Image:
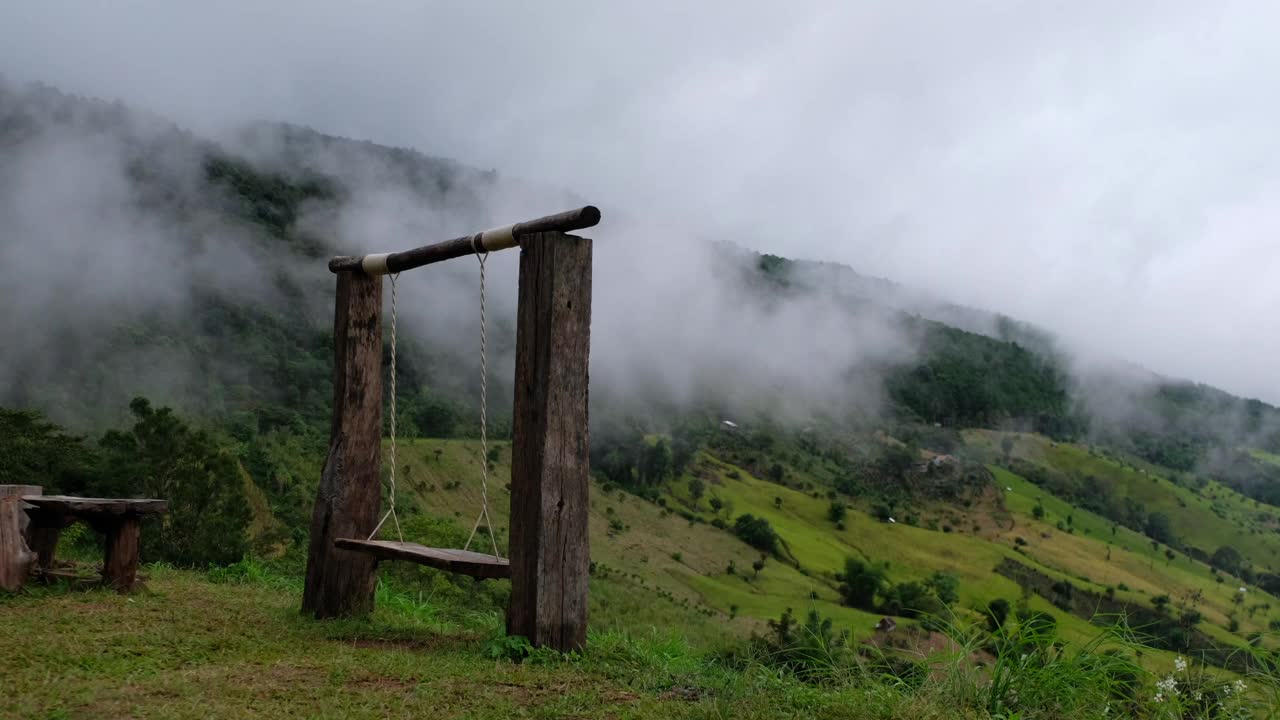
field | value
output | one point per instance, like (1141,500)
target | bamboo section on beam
(487,241)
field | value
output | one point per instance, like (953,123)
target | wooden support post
(340,583)
(120,560)
(44,540)
(16,556)
(550,466)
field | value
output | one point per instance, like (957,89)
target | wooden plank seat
(118,519)
(463,562)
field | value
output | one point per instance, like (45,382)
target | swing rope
(484,420)
(484,417)
(391,513)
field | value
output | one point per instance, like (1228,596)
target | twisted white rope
(484,414)
(391,513)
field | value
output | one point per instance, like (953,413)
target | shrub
(945,586)
(756,532)
(911,599)
(862,583)
(997,613)
(811,650)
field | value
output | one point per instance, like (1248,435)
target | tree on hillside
(896,460)
(655,464)
(862,583)
(1160,529)
(756,532)
(776,473)
(617,466)
(945,586)
(1227,559)
(1006,445)
(685,440)
(837,511)
(162,457)
(696,489)
(911,599)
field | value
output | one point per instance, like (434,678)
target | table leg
(120,564)
(45,529)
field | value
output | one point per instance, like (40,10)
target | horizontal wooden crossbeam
(487,241)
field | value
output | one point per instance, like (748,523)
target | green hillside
(671,546)
(1041,556)
(1201,518)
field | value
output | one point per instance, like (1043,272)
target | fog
(1103,171)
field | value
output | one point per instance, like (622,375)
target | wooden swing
(548,546)
(464,561)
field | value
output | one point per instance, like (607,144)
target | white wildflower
(1240,686)
(1197,696)
(1180,664)
(1167,686)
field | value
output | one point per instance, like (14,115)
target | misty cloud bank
(1103,171)
(114,231)
(95,250)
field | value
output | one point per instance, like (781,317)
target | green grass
(191,647)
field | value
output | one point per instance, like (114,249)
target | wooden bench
(118,519)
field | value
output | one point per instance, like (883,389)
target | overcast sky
(1110,171)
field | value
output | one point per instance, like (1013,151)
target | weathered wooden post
(550,468)
(340,583)
(16,556)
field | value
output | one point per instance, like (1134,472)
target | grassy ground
(192,647)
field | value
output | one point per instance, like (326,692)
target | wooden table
(118,519)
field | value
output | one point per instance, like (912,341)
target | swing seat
(463,562)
